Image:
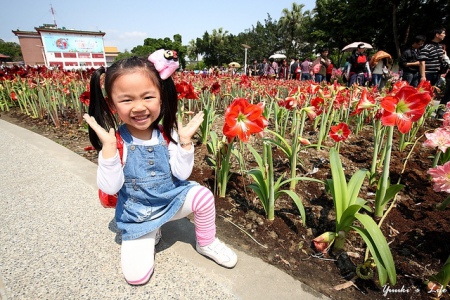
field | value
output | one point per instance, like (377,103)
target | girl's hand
(185,133)
(108,139)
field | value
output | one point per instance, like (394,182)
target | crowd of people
(421,61)
(428,61)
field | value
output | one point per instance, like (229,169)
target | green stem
(271,210)
(401,143)
(376,146)
(294,153)
(436,158)
(225,171)
(385,175)
(340,240)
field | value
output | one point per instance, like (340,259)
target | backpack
(110,201)
(361,59)
(316,68)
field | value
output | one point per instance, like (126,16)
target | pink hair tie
(165,61)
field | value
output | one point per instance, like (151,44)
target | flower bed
(279,222)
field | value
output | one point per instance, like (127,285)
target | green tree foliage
(388,25)
(292,25)
(11,49)
(151,45)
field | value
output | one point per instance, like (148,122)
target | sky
(128,23)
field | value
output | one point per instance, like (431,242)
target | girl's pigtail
(169,99)
(99,108)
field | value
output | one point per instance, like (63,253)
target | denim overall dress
(150,196)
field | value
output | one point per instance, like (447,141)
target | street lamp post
(245,59)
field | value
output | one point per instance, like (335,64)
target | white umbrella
(277,56)
(354,46)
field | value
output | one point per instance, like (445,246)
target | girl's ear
(111,105)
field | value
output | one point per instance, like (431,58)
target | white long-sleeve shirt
(110,177)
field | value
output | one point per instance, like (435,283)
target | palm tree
(290,27)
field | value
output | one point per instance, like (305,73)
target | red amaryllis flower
(13,96)
(339,132)
(313,87)
(289,103)
(404,108)
(243,119)
(425,87)
(399,85)
(318,104)
(341,101)
(85,98)
(365,102)
(186,90)
(245,81)
(215,88)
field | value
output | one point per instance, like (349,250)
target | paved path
(57,242)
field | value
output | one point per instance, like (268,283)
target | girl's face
(137,101)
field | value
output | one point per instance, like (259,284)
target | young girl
(151,183)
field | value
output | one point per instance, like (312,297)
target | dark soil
(417,233)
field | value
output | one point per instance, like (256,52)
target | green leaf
(261,182)
(443,277)
(391,192)
(339,184)
(379,248)
(354,185)
(257,156)
(348,217)
(261,195)
(298,202)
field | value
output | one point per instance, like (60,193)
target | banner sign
(62,42)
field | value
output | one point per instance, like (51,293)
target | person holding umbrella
(358,64)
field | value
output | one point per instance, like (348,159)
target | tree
(388,25)
(192,50)
(151,45)
(11,49)
(291,27)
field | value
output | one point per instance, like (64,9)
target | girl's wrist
(185,143)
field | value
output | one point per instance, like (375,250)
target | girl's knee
(137,270)
(203,200)
(138,258)
(138,278)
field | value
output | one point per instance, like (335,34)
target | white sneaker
(158,236)
(219,252)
